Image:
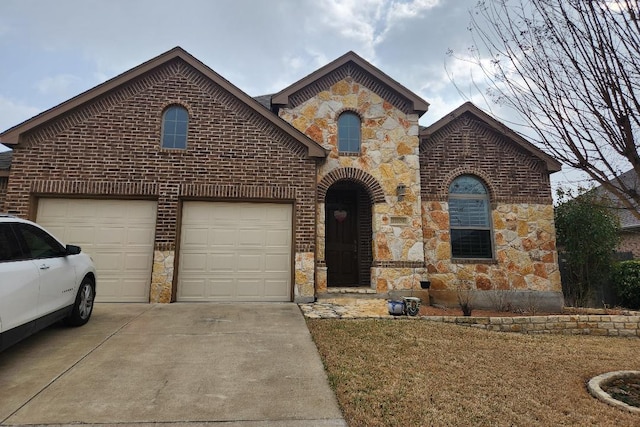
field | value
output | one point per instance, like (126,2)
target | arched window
(349,133)
(175,121)
(469,220)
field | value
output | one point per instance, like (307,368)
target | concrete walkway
(182,364)
(347,308)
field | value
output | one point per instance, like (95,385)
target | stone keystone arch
(355,175)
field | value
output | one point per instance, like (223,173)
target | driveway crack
(73,365)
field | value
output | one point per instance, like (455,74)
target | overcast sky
(54,50)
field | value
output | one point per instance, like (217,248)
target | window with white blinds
(469,220)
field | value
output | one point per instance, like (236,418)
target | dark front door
(341,248)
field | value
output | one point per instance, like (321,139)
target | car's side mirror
(73,250)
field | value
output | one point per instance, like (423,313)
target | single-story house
(184,188)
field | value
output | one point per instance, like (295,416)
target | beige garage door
(119,236)
(235,252)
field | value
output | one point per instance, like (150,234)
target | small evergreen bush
(626,276)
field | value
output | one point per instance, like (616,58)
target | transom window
(469,218)
(175,121)
(349,133)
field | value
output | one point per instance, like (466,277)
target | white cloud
(412,9)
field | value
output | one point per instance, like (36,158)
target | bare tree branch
(571,70)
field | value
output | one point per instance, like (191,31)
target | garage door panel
(273,288)
(281,238)
(251,237)
(193,289)
(240,237)
(220,288)
(251,214)
(85,209)
(195,215)
(137,262)
(141,212)
(277,262)
(194,262)
(109,236)
(139,236)
(108,288)
(107,261)
(196,237)
(131,290)
(249,288)
(118,234)
(250,263)
(221,262)
(222,237)
(80,235)
(279,213)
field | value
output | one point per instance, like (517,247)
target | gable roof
(552,164)
(419,105)
(12,135)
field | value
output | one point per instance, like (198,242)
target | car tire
(83,306)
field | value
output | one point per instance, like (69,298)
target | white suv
(42,281)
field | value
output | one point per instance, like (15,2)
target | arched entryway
(348,231)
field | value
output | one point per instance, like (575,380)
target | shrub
(587,233)
(626,276)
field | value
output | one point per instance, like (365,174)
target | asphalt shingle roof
(5,160)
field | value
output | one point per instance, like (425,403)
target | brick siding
(630,242)
(111,148)
(466,145)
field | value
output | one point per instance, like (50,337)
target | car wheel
(83,307)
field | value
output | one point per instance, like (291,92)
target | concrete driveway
(235,364)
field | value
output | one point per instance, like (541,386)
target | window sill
(474,261)
(172,150)
(348,154)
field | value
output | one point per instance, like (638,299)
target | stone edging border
(601,325)
(594,388)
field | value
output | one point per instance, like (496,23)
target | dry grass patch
(413,373)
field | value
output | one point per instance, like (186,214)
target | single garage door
(235,252)
(119,236)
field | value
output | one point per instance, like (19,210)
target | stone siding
(388,154)
(162,276)
(523,232)
(524,248)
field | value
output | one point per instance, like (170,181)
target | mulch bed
(626,390)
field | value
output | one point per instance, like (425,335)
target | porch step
(350,293)
(351,290)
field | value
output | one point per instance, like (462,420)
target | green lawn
(414,373)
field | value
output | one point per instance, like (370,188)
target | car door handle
(44,267)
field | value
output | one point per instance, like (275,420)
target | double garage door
(228,251)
